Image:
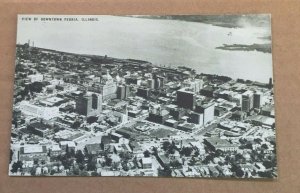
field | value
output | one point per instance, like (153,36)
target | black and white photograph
(144,96)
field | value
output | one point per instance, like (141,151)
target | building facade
(208,111)
(185,98)
(89,104)
(108,87)
(247,101)
(30,153)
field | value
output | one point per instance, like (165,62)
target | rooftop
(52,100)
(39,125)
(69,143)
(33,149)
(247,93)
(147,160)
(218,142)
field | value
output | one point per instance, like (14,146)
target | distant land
(229,21)
(266,38)
(265,48)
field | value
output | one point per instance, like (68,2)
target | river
(162,42)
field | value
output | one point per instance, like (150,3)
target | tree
(266,174)
(76,125)
(84,173)
(16,165)
(33,172)
(91,166)
(242,140)
(166,145)
(125,166)
(218,153)
(66,162)
(36,87)
(146,153)
(227,159)
(196,154)
(192,161)
(220,163)
(258,140)
(239,157)
(247,146)
(108,161)
(186,151)
(81,166)
(76,171)
(125,156)
(166,172)
(155,152)
(237,170)
(264,146)
(175,164)
(268,164)
(114,166)
(52,172)
(94,174)
(72,153)
(207,159)
(11,155)
(56,129)
(79,157)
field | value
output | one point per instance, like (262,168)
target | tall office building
(150,83)
(162,81)
(127,91)
(257,100)
(157,83)
(121,113)
(123,92)
(108,87)
(143,92)
(208,111)
(89,104)
(185,98)
(196,118)
(247,101)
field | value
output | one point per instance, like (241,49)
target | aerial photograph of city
(144,96)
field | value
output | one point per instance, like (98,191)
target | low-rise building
(93,148)
(67,146)
(55,151)
(163,160)
(40,129)
(147,163)
(221,144)
(188,127)
(33,152)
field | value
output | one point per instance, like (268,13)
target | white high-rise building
(108,87)
(46,113)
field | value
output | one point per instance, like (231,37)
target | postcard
(144,95)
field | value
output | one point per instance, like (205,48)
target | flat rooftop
(33,149)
